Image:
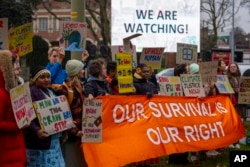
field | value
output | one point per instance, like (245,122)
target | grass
(221,160)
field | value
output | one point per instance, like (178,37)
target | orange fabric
(136,128)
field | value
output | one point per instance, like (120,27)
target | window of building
(43,24)
(55,24)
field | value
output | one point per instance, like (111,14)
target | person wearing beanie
(194,68)
(12,147)
(72,88)
(73,67)
(43,148)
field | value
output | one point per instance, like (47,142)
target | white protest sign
(162,23)
(22,104)
(54,114)
(92,121)
(170,86)
(192,85)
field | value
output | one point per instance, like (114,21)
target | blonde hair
(7,69)
(52,49)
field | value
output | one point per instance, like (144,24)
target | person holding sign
(72,152)
(42,149)
(142,84)
(56,56)
(144,87)
(12,146)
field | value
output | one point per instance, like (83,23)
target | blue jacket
(57,73)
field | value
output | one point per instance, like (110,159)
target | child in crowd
(56,56)
(144,87)
(42,149)
(141,81)
(96,84)
(112,78)
(12,146)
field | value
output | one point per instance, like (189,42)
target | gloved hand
(149,95)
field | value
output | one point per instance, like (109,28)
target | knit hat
(73,67)
(38,71)
(194,68)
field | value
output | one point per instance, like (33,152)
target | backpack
(70,94)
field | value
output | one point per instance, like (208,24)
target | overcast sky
(244,19)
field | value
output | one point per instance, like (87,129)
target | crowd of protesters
(32,146)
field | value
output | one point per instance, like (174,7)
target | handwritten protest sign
(124,72)
(244,93)
(92,121)
(22,104)
(54,114)
(186,53)
(119,49)
(192,85)
(170,86)
(133,126)
(208,70)
(3,33)
(73,35)
(20,39)
(152,57)
(223,85)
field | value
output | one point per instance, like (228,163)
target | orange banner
(136,128)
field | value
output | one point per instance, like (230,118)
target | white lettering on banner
(133,112)
(169,110)
(156,137)
(195,133)
(121,113)
(204,131)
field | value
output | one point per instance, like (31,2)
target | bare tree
(218,13)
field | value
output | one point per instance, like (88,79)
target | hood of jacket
(7,78)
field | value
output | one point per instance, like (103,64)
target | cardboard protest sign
(54,114)
(73,35)
(244,93)
(133,126)
(127,45)
(186,53)
(119,49)
(124,72)
(208,70)
(22,104)
(223,85)
(92,121)
(152,57)
(170,86)
(20,39)
(192,85)
(3,33)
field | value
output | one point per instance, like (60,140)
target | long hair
(238,73)
(7,69)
